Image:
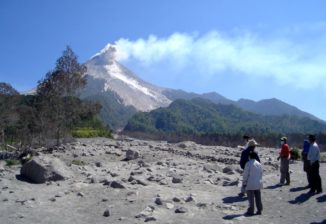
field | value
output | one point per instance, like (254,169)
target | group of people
(253,172)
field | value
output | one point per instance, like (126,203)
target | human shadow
(322,222)
(230,217)
(273,186)
(296,189)
(321,198)
(301,198)
(233,199)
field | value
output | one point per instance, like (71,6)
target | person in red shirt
(285,156)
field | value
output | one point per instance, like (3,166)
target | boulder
(43,168)
(131,154)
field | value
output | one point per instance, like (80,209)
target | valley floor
(168,183)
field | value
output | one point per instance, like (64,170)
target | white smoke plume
(301,64)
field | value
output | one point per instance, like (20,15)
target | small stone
(163,182)
(150,218)
(228,170)
(169,205)
(106,213)
(175,199)
(94,180)
(52,199)
(98,164)
(105,200)
(116,184)
(114,174)
(189,199)
(181,210)
(158,201)
(176,180)
(201,205)
(80,194)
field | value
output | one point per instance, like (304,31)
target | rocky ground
(167,183)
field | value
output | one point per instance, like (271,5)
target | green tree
(58,91)
(8,104)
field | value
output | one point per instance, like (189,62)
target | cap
(284,138)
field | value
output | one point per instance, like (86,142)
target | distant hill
(200,116)
(273,107)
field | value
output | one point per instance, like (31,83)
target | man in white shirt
(313,158)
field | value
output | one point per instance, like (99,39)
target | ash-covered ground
(168,183)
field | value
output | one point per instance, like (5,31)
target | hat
(252,142)
(284,138)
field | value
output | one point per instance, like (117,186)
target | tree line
(208,123)
(49,115)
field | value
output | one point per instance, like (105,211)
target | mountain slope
(122,93)
(116,78)
(118,89)
(273,107)
(198,116)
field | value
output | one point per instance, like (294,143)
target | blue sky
(241,49)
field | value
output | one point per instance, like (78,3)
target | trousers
(284,169)
(315,180)
(254,196)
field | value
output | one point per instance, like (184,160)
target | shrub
(90,133)
(12,162)
(295,154)
(78,162)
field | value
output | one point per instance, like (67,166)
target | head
(246,138)
(311,138)
(253,155)
(283,140)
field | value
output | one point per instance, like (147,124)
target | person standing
(304,156)
(313,158)
(285,156)
(251,145)
(253,182)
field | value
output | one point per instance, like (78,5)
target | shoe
(258,213)
(287,183)
(320,191)
(249,214)
(311,192)
(241,194)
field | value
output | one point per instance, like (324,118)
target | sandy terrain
(168,183)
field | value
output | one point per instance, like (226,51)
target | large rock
(43,168)
(131,154)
